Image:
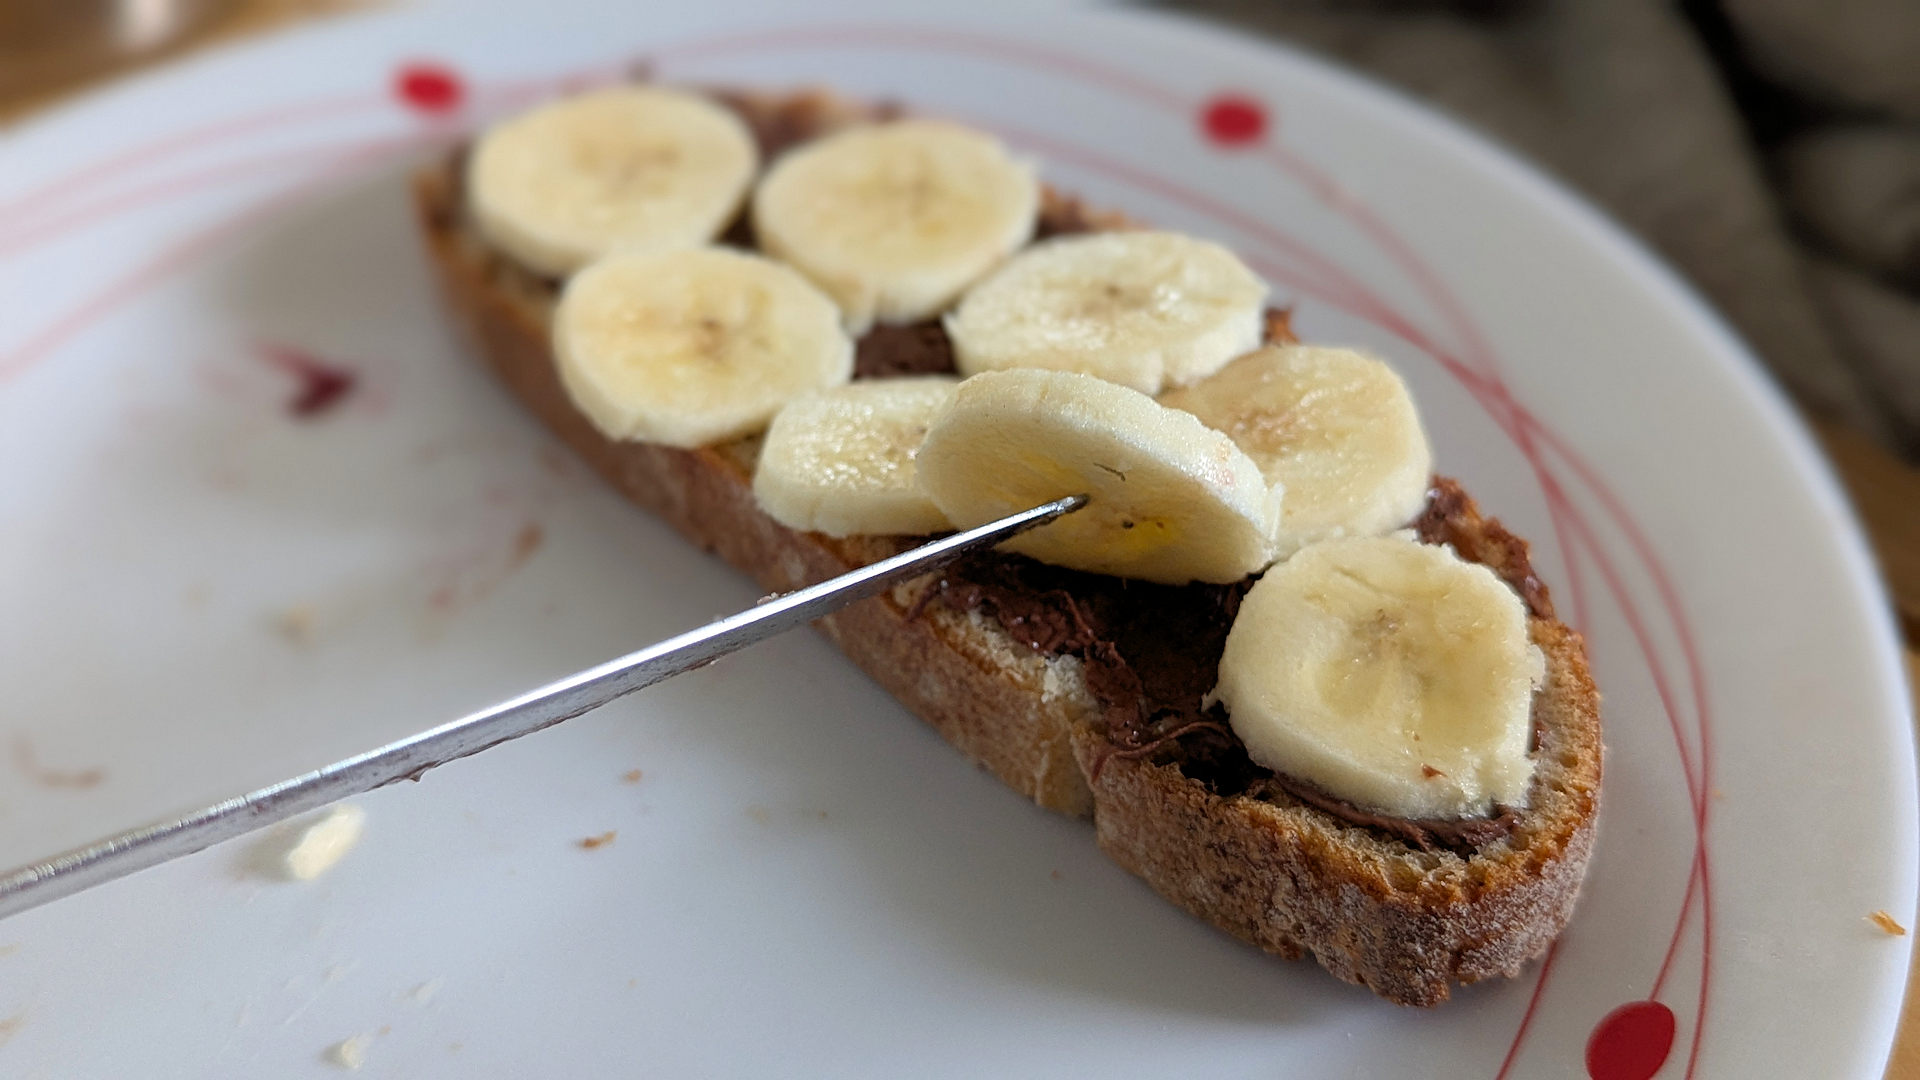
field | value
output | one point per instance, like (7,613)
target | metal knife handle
(137,849)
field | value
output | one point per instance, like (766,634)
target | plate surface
(205,590)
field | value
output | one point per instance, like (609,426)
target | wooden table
(1886,491)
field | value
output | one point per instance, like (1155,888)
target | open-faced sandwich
(1301,685)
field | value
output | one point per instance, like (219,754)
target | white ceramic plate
(202,592)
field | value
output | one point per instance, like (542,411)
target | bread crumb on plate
(322,842)
(296,624)
(1886,922)
(349,1053)
(605,838)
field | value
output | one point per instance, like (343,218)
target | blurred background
(1769,149)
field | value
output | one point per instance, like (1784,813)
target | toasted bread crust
(1373,911)
(1286,877)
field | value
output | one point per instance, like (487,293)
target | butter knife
(408,759)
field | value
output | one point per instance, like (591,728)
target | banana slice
(1335,428)
(1143,309)
(1389,673)
(1172,500)
(894,220)
(693,347)
(840,461)
(628,169)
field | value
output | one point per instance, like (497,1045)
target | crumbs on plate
(1886,922)
(349,1053)
(313,847)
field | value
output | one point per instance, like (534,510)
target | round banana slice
(1171,499)
(629,169)
(1335,428)
(1389,673)
(840,461)
(694,347)
(1143,309)
(895,219)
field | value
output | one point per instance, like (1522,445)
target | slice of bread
(1374,910)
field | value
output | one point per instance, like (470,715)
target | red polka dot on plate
(429,88)
(1232,120)
(1631,1042)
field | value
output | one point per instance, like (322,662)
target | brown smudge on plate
(28,762)
(525,543)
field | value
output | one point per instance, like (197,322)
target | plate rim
(1810,469)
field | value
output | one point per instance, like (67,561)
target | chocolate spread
(920,348)
(1065,215)
(1496,549)
(779,122)
(923,348)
